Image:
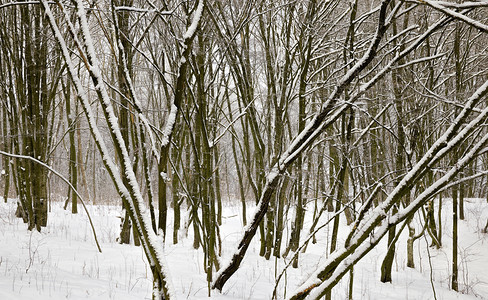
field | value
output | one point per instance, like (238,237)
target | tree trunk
(73,169)
(454,278)
(410,240)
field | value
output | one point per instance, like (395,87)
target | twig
(430,264)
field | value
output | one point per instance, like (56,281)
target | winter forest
(258,149)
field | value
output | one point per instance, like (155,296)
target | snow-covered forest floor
(62,261)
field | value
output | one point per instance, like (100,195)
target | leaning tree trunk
(131,194)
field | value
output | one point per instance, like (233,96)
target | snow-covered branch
(67,182)
(143,10)
(9,4)
(438,5)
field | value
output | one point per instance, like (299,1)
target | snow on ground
(62,261)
